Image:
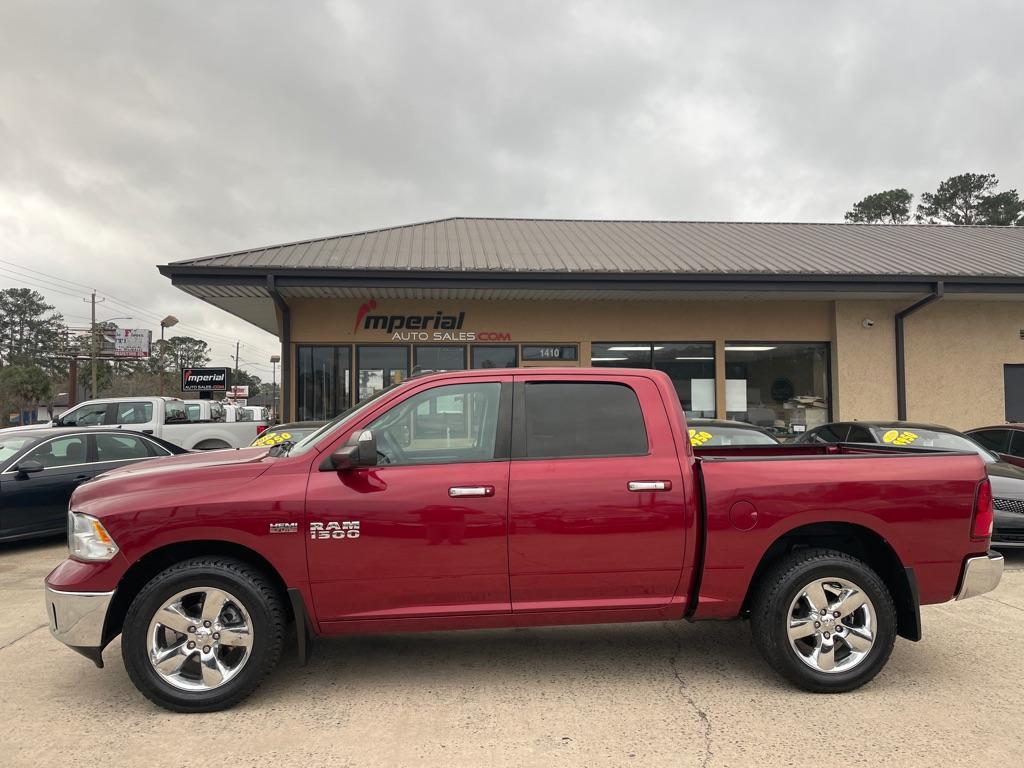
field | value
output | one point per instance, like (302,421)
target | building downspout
(901,361)
(286,348)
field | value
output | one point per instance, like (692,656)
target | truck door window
(574,419)
(134,413)
(174,412)
(92,415)
(444,425)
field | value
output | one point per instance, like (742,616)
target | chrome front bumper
(981,574)
(77,618)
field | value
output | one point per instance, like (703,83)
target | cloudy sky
(137,133)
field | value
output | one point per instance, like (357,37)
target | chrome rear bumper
(981,574)
(77,619)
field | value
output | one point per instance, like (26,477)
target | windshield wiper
(282,448)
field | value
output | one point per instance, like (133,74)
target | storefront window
(691,366)
(380,367)
(493,357)
(323,375)
(782,387)
(430,358)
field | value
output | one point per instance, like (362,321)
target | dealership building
(782,325)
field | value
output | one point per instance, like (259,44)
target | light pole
(167,322)
(274,360)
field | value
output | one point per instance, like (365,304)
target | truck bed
(918,501)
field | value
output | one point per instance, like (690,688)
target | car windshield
(310,440)
(929,438)
(10,445)
(707,436)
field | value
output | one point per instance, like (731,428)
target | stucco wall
(955,348)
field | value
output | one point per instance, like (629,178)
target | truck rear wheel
(202,634)
(824,620)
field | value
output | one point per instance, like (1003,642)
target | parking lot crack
(684,691)
(22,637)
(1008,605)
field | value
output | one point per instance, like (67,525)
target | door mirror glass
(359,451)
(28,466)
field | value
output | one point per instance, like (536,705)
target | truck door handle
(650,485)
(470,490)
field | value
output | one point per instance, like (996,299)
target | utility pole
(94,347)
(237,345)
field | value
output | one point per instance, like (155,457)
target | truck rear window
(579,419)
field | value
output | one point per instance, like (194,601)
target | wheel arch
(860,542)
(211,444)
(150,564)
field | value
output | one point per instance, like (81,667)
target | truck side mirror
(359,451)
(28,466)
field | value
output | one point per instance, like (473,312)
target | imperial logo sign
(200,379)
(439,326)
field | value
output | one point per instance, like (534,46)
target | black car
(40,468)
(1007,480)
(716,432)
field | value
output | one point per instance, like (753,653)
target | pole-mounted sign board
(132,342)
(199,379)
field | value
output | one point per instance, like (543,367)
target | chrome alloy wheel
(832,625)
(200,639)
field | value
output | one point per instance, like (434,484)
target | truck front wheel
(202,634)
(824,620)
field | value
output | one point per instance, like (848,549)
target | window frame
(519,441)
(417,347)
(147,446)
(343,403)
(357,367)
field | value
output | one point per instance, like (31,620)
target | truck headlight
(88,539)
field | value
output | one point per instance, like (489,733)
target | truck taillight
(984,512)
(260,429)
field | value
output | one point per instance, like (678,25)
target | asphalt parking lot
(649,694)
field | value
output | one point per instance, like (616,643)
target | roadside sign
(239,391)
(199,379)
(132,342)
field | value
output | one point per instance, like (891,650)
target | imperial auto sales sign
(132,342)
(204,379)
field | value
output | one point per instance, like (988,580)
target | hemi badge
(284,527)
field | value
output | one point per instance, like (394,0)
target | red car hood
(175,473)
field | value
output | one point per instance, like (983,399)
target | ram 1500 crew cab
(509,498)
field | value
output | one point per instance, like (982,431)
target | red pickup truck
(509,498)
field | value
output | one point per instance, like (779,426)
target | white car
(165,417)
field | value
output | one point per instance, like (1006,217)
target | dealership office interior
(786,326)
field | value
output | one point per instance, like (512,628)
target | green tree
(1003,209)
(31,332)
(970,198)
(23,386)
(889,207)
(181,352)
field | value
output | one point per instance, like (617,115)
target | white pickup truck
(165,417)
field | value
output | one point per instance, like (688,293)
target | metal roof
(500,246)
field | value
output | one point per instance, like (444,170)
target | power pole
(237,344)
(94,346)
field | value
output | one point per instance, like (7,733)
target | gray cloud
(137,133)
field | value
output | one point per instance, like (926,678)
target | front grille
(1010,505)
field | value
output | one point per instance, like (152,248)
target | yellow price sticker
(896,437)
(697,439)
(273,438)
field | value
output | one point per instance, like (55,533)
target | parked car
(164,417)
(558,496)
(1006,440)
(292,432)
(1007,479)
(705,433)
(40,468)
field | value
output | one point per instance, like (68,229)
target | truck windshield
(929,438)
(312,439)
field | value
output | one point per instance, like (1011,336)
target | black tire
(260,600)
(770,618)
